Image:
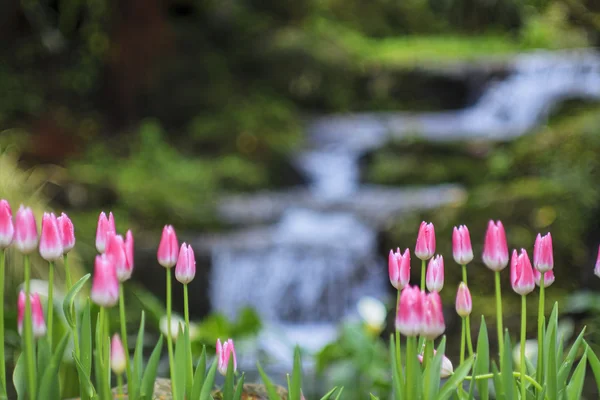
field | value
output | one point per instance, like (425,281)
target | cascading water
(319,257)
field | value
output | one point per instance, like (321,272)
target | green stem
(464,274)
(67,272)
(427,352)
(523,331)
(169,336)
(120,385)
(398,344)
(410,374)
(541,323)
(423,273)
(499,315)
(50,302)
(515,374)
(463,335)
(190,367)
(28,335)
(2,362)
(69,284)
(468,318)
(124,334)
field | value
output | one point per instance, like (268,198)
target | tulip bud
(67,232)
(425,247)
(543,259)
(433,316)
(50,241)
(399,268)
(176,323)
(129,249)
(106,228)
(224,353)
(548,277)
(464,304)
(168,248)
(117,355)
(446,368)
(37,314)
(115,250)
(410,318)
(597,267)
(461,245)
(435,274)
(105,285)
(185,270)
(495,250)
(521,273)
(26,234)
(7,228)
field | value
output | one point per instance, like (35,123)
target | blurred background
(293,143)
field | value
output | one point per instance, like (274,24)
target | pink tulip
(597,267)
(461,245)
(425,247)
(185,270)
(129,249)
(433,316)
(410,317)
(168,249)
(495,250)
(446,368)
(116,252)
(50,241)
(464,304)
(26,233)
(399,268)
(7,228)
(106,228)
(435,274)
(543,259)
(117,355)
(105,286)
(548,277)
(67,232)
(224,354)
(521,273)
(37,314)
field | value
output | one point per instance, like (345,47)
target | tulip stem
(2,363)
(468,318)
(190,366)
(499,315)
(464,274)
(124,334)
(120,384)
(541,324)
(67,272)
(427,352)
(170,337)
(523,331)
(50,301)
(515,374)
(410,362)
(69,283)
(462,340)
(28,334)
(398,344)
(423,273)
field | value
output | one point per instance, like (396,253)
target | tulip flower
(425,247)
(543,259)
(105,285)
(185,270)
(224,354)
(37,314)
(50,240)
(117,355)
(410,315)
(399,268)
(461,245)
(67,232)
(495,250)
(106,228)
(446,368)
(168,247)
(464,304)
(26,234)
(521,273)
(7,228)
(433,316)
(435,274)
(115,250)
(597,267)
(129,249)
(548,277)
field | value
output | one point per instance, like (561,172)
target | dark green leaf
(567,363)
(149,377)
(239,388)
(296,376)
(85,339)
(199,375)
(482,362)
(550,369)
(506,369)
(575,386)
(68,302)
(209,382)
(48,388)
(228,387)
(85,382)
(594,364)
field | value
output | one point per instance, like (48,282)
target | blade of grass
(328,394)
(271,392)
(296,376)
(239,388)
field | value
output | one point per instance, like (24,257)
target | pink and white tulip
(26,233)
(185,270)
(399,268)
(168,249)
(117,355)
(115,250)
(543,259)
(495,250)
(434,277)
(105,229)
(7,228)
(224,354)
(105,285)
(597,267)
(548,277)
(461,245)
(446,368)
(425,247)
(37,314)
(464,303)
(50,240)
(521,273)
(410,316)
(67,233)
(129,245)
(433,316)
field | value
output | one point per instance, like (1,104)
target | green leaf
(49,388)
(396,378)
(271,392)
(85,383)
(209,382)
(138,363)
(228,387)
(180,365)
(331,392)
(239,388)
(594,364)
(19,377)
(373,397)
(189,379)
(482,362)
(85,339)
(498,389)
(199,375)
(456,379)
(68,302)
(575,386)
(337,397)
(43,358)
(506,369)
(567,363)
(433,371)
(550,369)
(413,363)
(296,376)
(149,377)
